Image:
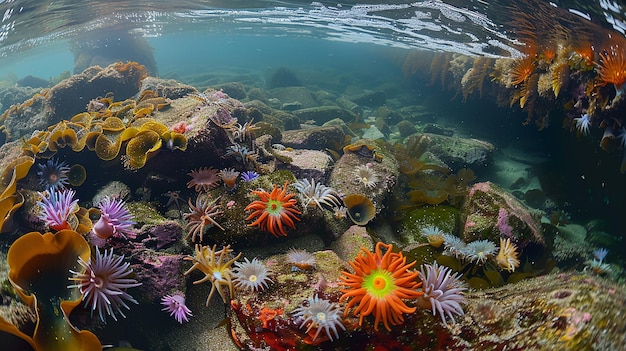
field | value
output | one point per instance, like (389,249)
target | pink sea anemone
(175,306)
(103,283)
(115,219)
(229,177)
(203,179)
(57,207)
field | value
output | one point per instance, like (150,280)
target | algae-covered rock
(489,212)
(445,218)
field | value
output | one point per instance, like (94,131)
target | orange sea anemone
(612,67)
(274,210)
(522,69)
(380,282)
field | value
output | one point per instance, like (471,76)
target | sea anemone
(115,219)
(175,306)
(522,69)
(201,216)
(479,250)
(442,291)
(249,176)
(313,194)
(229,177)
(53,174)
(434,235)
(252,275)
(216,266)
(507,255)
(274,211)
(612,67)
(321,314)
(365,175)
(378,285)
(57,207)
(453,245)
(203,179)
(104,283)
(582,124)
(301,259)
(600,254)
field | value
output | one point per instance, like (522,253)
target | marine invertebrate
(203,179)
(315,194)
(252,275)
(442,291)
(453,245)
(57,207)
(364,174)
(301,259)
(249,176)
(244,132)
(229,176)
(53,174)
(479,250)
(612,67)
(175,306)
(103,283)
(582,124)
(273,211)
(320,314)
(379,283)
(360,209)
(216,266)
(201,216)
(114,219)
(434,235)
(522,69)
(507,255)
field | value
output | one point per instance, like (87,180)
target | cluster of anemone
(202,216)
(114,219)
(104,282)
(203,179)
(274,211)
(175,306)
(313,194)
(251,275)
(56,208)
(379,284)
(443,291)
(53,174)
(479,251)
(217,268)
(320,314)
(365,175)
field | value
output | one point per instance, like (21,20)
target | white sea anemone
(252,275)
(321,314)
(479,250)
(365,175)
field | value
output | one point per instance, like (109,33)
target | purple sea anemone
(104,283)
(249,176)
(57,208)
(442,291)
(115,219)
(301,259)
(321,314)
(175,306)
(53,174)
(252,275)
